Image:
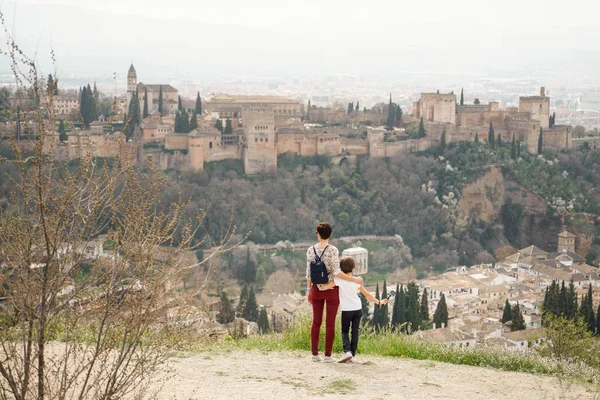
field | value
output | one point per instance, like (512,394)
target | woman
(330,256)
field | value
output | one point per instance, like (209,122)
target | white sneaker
(328,359)
(315,358)
(347,356)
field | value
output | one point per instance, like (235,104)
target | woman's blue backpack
(318,269)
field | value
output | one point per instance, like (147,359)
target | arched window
(210,145)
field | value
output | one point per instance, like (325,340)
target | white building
(361,259)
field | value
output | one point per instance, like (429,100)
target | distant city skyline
(188,41)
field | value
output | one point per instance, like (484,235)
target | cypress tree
(226,314)
(185,122)
(145,113)
(476,137)
(179,105)
(251,309)
(357,108)
(440,316)
(248,272)
(134,115)
(219,125)
(198,107)
(571,306)
(261,276)
(513,148)
(518,148)
(91,107)
(462,98)
(160,101)
(491,136)
(243,301)
(263,321)
(193,121)
(62,134)
(228,128)
(350,108)
(391,118)
(413,315)
(553,298)
(96,94)
(377,312)
(402,312)
(177,127)
(506,313)
(545,306)
(398,114)
(385,315)
(499,140)
(394,321)
(541,141)
(590,317)
(421,133)
(518,323)
(562,300)
(365,309)
(424,307)
(443,141)
(598,321)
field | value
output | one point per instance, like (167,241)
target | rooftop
(566,234)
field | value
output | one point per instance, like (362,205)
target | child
(351,307)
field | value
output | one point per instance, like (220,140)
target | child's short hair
(347,264)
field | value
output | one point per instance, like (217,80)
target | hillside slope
(256,375)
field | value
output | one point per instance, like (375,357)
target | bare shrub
(78,321)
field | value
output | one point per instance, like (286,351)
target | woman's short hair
(347,264)
(324,230)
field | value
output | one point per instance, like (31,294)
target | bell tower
(131,82)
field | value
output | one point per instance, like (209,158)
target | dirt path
(288,376)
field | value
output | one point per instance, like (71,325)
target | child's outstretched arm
(372,298)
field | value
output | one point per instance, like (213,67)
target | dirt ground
(255,375)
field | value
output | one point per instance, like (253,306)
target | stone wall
(557,137)
(354,146)
(176,142)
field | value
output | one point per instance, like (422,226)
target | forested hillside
(415,196)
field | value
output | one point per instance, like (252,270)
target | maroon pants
(319,299)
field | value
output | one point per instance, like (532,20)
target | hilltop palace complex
(265,126)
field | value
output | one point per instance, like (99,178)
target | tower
(538,107)
(131,82)
(260,152)
(566,241)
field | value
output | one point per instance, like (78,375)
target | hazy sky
(205,38)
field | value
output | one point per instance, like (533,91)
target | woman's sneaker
(328,359)
(315,358)
(346,357)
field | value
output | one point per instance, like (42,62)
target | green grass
(389,344)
